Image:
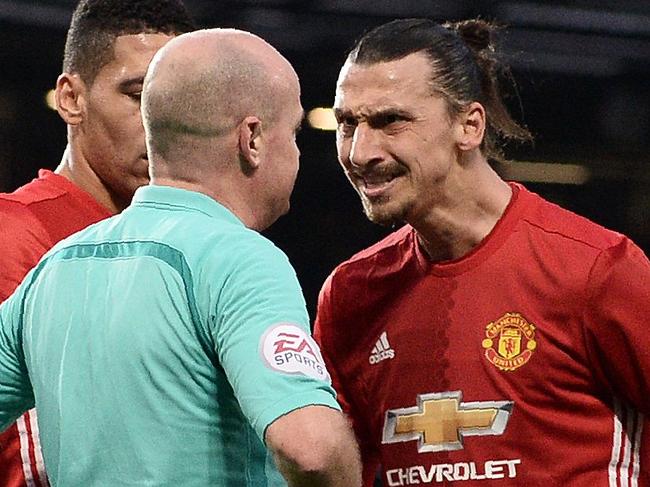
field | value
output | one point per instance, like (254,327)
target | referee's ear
(70,95)
(250,142)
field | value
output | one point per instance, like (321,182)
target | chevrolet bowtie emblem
(440,421)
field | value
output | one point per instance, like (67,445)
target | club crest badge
(510,341)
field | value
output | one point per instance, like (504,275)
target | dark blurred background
(582,70)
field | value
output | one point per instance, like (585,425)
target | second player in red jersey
(108,49)
(33,219)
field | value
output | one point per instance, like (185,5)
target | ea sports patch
(290,349)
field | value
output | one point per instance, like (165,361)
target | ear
(250,144)
(70,96)
(471,127)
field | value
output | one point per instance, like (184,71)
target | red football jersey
(524,363)
(33,219)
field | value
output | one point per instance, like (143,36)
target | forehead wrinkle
(410,75)
(370,109)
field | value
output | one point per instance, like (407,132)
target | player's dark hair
(97,23)
(464,67)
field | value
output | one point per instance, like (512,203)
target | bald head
(202,84)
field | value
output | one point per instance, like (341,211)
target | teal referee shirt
(159,344)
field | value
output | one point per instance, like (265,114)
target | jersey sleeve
(262,339)
(23,242)
(325,333)
(616,323)
(16,394)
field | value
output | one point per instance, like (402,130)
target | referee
(170,345)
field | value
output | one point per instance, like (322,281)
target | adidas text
(378,357)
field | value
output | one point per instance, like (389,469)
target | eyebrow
(376,114)
(130,82)
(392,111)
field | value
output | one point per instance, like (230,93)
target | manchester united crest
(510,341)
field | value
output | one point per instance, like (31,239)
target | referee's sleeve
(16,394)
(263,340)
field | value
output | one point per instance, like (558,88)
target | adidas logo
(381,350)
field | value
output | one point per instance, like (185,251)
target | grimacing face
(111,135)
(395,138)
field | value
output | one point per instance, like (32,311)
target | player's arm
(314,446)
(16,394)
(22,243)
(616,317)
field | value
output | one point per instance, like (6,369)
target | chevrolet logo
(440,421)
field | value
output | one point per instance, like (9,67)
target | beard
(385,212)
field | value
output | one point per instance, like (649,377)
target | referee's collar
(166,196)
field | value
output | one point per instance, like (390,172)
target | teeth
(377,183)
(378,180)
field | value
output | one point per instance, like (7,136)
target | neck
(466,213)
(79,172)
(221,189)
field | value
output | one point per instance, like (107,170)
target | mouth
(375,183)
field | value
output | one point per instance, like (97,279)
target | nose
(366,146)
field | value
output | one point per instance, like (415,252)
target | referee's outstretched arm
(314,446)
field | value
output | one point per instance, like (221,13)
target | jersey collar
(168,196)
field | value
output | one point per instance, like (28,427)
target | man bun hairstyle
(464,68)
(96,24)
